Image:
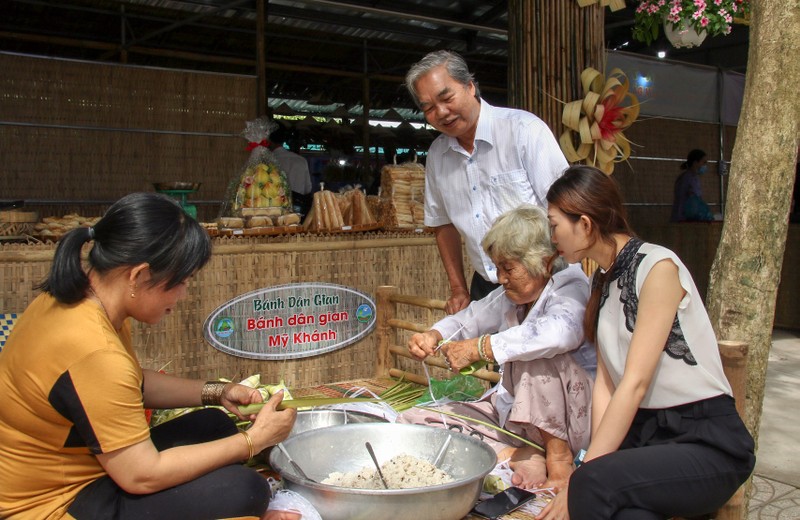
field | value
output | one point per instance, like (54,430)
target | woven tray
(16,224)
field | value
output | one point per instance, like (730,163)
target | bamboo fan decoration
(599,120)
(614,5)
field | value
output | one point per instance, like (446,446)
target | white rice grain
(400,472)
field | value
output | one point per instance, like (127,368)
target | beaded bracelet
(211,394)
(250,449)
(482,348)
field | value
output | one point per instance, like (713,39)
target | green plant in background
(714,17)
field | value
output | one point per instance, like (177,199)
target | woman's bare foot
(528,464)
(558,473)
(558,461)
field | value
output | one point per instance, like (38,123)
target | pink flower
(704,22)
(697,15)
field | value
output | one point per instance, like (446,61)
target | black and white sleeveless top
(690,368)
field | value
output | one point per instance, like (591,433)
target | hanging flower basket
(683,38)
(704,17)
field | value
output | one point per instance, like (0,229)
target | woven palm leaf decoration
(598,121)
(614,5)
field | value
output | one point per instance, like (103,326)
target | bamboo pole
(385,335)
(550,43)
(408,325)
(261,57)
(46,255)
(419,301)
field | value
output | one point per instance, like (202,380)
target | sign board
(290,321)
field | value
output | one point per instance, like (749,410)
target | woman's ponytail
(67,282)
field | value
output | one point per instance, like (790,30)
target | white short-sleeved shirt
(690,368)
(515,160)
(295,167)
(553,326)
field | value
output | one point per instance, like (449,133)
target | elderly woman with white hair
(532,327)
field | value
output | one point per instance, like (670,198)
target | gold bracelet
(250,449)
(211,394)
(482,348)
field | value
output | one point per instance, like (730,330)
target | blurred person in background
(688,204)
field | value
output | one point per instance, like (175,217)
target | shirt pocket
(509,189)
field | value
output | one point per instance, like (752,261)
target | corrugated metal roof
(314,48)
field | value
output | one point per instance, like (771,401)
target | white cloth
(516,158)
(691,369)
(553,326)
(296,169)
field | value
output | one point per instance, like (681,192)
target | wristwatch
(579,458)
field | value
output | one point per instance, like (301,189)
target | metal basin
(314,419)
(341,448)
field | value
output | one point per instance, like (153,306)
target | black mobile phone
(503,503)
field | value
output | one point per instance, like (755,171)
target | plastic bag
(259,194)
(458,388)
(287,500)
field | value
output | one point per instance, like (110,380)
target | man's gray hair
(456,67)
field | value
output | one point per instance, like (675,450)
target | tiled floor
(776,494)
(772,500)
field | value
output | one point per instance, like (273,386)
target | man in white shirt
(294,166)
(487,161)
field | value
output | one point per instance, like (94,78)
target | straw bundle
(354,208)
(325,214)
(403,186)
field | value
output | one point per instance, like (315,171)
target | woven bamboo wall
(88,131)
(696,245)
(647,185)
(362,261)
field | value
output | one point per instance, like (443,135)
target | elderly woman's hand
(461,354)
(423,344)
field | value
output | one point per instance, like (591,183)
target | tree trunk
(746,270)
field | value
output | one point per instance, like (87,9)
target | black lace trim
(624,271)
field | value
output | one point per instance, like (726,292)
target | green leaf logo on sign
(290,321)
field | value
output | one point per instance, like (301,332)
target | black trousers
(227,492)
(480,288)
(685,461)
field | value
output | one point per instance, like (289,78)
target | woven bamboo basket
(16,223)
